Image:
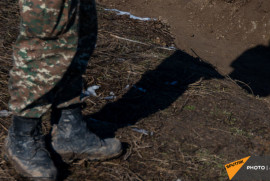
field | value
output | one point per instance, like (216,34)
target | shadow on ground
(156,91)
(159,88)
(252,69)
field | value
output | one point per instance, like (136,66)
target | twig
(196,83)
(124,168)
(127,155)
(196,133)
(142,43)
(134,41)
(4,127)
(245,84)
(183,105)
(216,129)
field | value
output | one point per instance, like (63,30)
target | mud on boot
(25,149)
(72,139)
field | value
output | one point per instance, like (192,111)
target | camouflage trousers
(50,55)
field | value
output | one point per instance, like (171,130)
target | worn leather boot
(25,149)
(72,139)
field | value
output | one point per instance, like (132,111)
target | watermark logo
(234,167)
(249,168)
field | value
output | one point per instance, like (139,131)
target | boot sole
(19,170)
(70,157)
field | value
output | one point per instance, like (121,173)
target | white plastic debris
(143,131)
(172,48)
(112,93)
(130,15)
(109,97)
(121,59)
(91,91)
(127,87)
(112,96)
(5,113)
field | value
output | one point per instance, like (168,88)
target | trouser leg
(50,55)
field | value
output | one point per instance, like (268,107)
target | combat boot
(25,149)
(73,140)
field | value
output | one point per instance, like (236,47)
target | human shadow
(252,70)
(159,88)
(155,91)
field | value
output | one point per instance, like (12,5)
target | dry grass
(194,127)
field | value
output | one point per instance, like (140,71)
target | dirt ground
(216,30)
(179,117)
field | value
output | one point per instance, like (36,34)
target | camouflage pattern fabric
(50,55)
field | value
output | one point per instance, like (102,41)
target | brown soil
(216,30)
(194,126)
